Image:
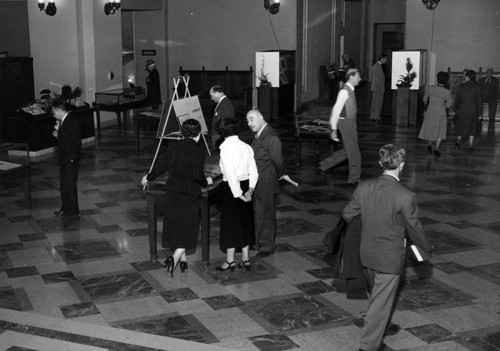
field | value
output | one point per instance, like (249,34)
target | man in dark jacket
(67,132)
(469,107)
(387,210)
(489,93)
(269,160)
(223,109)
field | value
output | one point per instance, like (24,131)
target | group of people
(251,174)
(250,188)
(468,107)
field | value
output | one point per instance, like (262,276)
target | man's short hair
(391,156)
(190,128)
(381,57)
(351,72)
(256,111)
(61,104)
(217,89)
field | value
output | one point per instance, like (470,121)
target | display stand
(179,110)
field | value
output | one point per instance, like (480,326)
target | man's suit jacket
(489,91)
(269,160)
(224,109)
(389,214)
(69,140)
(468,99)
(377,78)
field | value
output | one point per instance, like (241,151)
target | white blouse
(237,163)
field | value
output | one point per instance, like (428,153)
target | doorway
(388,37)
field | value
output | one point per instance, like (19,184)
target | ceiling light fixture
(272,8)
(111,7)
(51,7)
(430,4)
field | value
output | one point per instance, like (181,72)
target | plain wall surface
(220,33)
(465,33)
(14,28)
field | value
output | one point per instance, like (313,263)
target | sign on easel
(178,111)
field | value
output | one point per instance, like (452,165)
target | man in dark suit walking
(489,94)
(388,210)
(469,107)
(269,160)
(67,132)
(224,109)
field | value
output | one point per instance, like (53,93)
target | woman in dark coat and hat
(153,97)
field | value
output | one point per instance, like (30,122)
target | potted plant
(405,81)
(406,104)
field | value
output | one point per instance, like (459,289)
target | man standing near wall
(223,109)
(69,142)
(269,159)
(377,79)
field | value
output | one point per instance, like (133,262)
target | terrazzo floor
(87,283)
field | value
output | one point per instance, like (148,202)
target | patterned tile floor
(87,283)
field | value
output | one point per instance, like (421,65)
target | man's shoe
(392,329)
(457,145)
(58,213)
(264,254)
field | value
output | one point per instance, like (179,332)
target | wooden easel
(175,133)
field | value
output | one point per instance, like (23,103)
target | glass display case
(119,101)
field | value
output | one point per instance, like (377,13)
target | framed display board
(404,64)
(178,111)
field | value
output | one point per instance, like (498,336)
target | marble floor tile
(64,284)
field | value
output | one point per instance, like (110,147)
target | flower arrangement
(263,77)
(406,81)
(67,94)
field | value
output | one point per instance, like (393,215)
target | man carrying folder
(389,213)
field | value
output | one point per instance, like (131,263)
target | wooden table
(155,194)
(10,169)
(141,120)
(311,128)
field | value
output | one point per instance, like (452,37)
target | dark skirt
(467,124)
(237,228)
(181,221)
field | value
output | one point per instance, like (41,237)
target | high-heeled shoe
(183,265)
(429,150)
(170,265)
(230,265)
(245,264)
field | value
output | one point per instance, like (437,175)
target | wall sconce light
(274,8)
(430,4)
(111,7)
(131,82)
(51,7)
